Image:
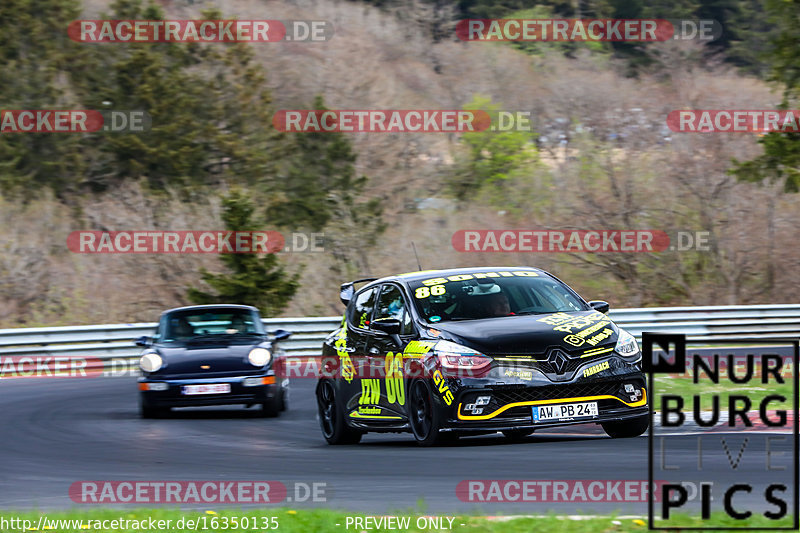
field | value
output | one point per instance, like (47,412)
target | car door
(384,354)
(353,350)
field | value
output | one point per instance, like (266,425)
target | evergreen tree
(780,162)
(320,182)
(781,158)
(254,280)
(35,51)
(209,106)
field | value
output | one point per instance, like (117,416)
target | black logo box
(664,342)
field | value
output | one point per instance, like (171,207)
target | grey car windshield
(189,324)
(492,294)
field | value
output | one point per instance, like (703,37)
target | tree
(209,106)
(35,52)
(750,32)
(779,164)
(784,57)
(254,280)
(502,167)
(321,190)
(320,164)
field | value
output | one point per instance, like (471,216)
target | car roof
(210,306)
(426,274)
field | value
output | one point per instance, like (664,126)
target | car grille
(555,363)
(570,366)
(550,392)
(548,367)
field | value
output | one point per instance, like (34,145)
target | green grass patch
(324,521)
(755,390)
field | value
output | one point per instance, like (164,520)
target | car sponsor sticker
(479,275)
(521,374)
(594,369)
(348,369)
(416,349)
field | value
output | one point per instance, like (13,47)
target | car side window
(392,305)
(361,310)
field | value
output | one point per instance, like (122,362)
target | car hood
(220,359)
(532,334)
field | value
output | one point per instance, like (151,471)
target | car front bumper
(511,407)
(243,390)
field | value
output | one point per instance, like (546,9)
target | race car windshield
(492,294)
(194,324)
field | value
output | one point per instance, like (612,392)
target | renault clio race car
(475,351)
(211,355)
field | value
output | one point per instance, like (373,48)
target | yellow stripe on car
(596,351)
(356,414)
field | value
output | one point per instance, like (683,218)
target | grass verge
(329,521)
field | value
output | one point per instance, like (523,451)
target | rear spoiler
(347,290)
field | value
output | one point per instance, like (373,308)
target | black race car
(479,350)
(211,355)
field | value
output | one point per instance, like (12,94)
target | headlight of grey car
(150,362)
(259,356)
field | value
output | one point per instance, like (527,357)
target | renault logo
(558,359)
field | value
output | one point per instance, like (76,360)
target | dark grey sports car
(211,355)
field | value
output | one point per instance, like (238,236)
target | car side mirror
(389,325)
(281,334)
(346,293)
(600,305)
(143,341)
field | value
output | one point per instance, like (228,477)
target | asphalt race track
(59,431)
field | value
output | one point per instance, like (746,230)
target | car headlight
(456,357)
(150,362)
(626,345)
(259,356)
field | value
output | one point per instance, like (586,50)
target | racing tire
(284,405)
(516,435)
(423,417)
(625,429)
(272,407)
(331,420)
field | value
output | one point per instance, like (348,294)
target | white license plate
(211,388)
(564,410)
